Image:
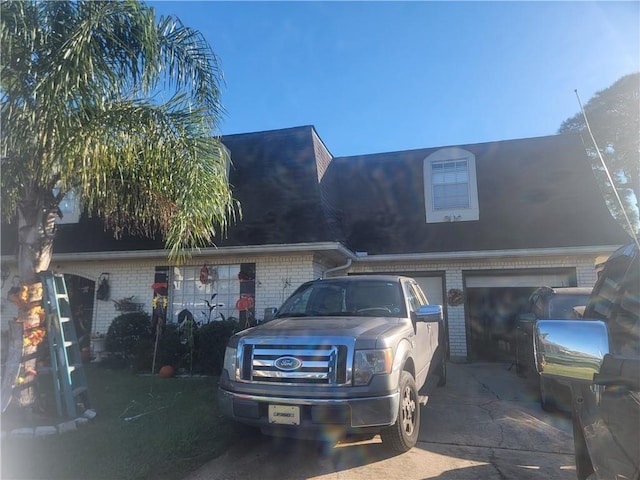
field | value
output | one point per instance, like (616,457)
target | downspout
(335,269)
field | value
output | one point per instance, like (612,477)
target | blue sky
(385,76)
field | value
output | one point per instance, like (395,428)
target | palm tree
(103,101)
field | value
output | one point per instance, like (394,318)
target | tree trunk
(36,230)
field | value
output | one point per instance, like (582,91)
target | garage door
(547,279)
(493,302)
(432,288)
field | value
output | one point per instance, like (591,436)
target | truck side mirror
(429,313)
(570,349)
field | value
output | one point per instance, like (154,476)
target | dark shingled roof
(274,176)
(532,193)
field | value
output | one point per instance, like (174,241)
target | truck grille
(294,364)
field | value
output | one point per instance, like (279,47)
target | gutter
(490,254)
(334,247)
(338,268)
(337,248)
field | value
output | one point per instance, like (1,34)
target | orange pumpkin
(167,371)
(85,354)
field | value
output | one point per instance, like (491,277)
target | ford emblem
(287,364)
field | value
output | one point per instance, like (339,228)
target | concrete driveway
(485,424)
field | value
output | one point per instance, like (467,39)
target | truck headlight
(368,363)
(230,362)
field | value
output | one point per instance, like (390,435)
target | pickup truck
(344,355)
(599,356)
(544,303)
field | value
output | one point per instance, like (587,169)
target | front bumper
(352,414)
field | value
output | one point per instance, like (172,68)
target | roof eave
(328,248)
(362,257)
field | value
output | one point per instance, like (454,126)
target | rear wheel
(403,435)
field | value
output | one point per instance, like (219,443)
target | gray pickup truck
(599,357)
(344,355)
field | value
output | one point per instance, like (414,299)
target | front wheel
(403,435)
(442,372)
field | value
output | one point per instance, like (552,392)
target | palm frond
(81,108)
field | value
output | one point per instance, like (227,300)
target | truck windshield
(328,298)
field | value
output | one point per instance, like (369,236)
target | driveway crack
(487,407)
(494,464)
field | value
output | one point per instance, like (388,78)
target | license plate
(284,414)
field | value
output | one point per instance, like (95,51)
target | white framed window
(189,292)
(451,192)
(450,184)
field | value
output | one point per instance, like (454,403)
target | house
(479,226)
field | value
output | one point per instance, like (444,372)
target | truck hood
(360,328)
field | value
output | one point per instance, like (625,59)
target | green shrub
(143,357)
(212,341)
(170,349)
(126,333)
(131,343)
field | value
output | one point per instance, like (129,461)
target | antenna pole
(604,165)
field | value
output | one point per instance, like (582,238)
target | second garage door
(493,302)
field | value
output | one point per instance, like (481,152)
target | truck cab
(600,358)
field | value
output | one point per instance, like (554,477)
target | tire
(403,435)
(442,372)
(547,398)
(443,350)
(584,468)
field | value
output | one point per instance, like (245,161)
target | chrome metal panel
(281,352)
(570,349)
(289,375)
(258,358)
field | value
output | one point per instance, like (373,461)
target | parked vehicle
(545,303)
(600,357)
(343,355)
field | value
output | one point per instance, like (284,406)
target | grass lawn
(146,427)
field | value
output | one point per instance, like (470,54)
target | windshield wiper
(290,315)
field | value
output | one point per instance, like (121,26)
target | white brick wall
(126,279)
(584,265)
(278,276)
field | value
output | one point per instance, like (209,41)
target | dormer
(450,186)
